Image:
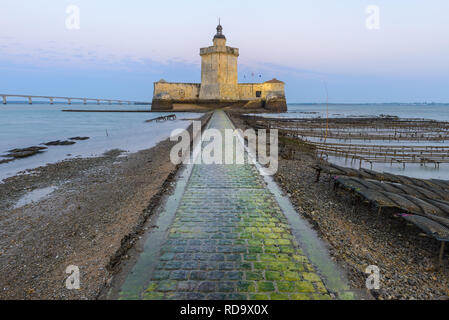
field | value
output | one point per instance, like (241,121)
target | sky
(360,50)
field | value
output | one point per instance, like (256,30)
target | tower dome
(219,34)
(219,39)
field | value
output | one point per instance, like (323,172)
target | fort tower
(219,70)
(219,85)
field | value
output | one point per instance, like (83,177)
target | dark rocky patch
(98,212)
(23,153)
(59,143)
(79,138)
(34,148)
(6,160)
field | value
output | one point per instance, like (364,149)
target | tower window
(258,94)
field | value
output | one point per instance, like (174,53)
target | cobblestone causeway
(230,240)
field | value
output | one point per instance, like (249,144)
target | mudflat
(96,211)
(357,238)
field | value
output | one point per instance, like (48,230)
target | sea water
(24,125)
(438,112)
(435,111)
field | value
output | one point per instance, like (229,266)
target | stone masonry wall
(178,91)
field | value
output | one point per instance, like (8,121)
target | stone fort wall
(177,91)
(192,91)
(253,91)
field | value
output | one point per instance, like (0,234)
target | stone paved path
(230,240)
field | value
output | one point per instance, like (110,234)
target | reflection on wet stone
(230,240)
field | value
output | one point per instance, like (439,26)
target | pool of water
(34,196)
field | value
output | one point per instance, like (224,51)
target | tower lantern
(219,38)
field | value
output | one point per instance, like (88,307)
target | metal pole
(440,260)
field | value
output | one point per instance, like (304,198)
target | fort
(219,85)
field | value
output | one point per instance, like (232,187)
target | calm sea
(23,125)
(423,111)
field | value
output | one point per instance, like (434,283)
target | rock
(6,160)
(34,148)
(254,104)
(276,103)
(162,101)
(79,138)
(23,153)
(59,143)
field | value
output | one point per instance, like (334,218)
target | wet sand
(96,212)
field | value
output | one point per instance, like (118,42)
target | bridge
(69,99)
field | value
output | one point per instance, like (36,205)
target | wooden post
(69,101)
(318,173)
(51,100)
(30,101)
(378,214)
(84,101)
(4,99)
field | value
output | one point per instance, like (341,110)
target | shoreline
(100,207)
(26,148)
(90,220)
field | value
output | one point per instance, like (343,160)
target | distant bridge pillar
(4,99)
(30,101)
(51,100)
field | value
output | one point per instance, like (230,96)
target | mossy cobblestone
(230,240)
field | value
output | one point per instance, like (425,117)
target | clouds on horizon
(130,47)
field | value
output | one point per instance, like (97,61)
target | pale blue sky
(122,47)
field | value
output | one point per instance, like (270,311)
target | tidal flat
(90,220)
(357,237)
